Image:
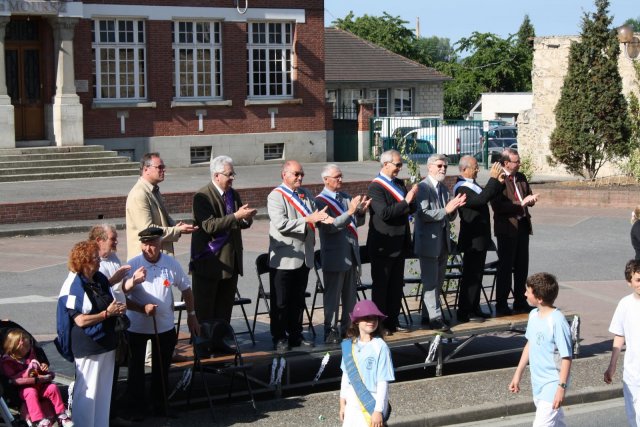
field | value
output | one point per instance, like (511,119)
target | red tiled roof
(349,58)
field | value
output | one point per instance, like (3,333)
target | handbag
(122,323)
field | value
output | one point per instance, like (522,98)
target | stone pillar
(7,115)
(67,110)
(365,112)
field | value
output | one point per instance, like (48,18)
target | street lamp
(630,41)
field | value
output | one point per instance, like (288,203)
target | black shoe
(166,413)
(474,318)
(402,329)
(439,326)
(522,309)
(503,311)
(424,321)
(300,342)
(281,345)
(480,313)
(462,317)
(332,337)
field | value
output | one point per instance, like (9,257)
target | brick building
(187,78)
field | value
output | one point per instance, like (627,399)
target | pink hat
(365,308)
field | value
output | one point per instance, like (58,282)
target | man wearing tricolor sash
(293,217)
(340,251)
(389,238)
(475,234)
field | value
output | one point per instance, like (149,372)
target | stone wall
(550,62)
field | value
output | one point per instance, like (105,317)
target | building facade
(188,78)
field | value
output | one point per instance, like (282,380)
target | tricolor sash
(462,182)
(294,200)
(338,210)
(396,192)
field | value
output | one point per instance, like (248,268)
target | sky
(455,19)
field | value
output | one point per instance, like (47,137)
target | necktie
(163,210)
(441,196)
(339,199)
(228,201)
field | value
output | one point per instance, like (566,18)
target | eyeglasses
(159,167)
(514,161)
(443,166)
(335,177)
(297,174)
(398,165)
(228,175)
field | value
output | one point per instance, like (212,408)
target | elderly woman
(86,320)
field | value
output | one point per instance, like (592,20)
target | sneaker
(45,422)
(64,420)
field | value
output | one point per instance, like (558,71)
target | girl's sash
(295,201)
(388,185)
(338,210)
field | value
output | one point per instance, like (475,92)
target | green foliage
(632,165)
(431,50)
(633,23)
(407,146)
(592,125)
(527,166)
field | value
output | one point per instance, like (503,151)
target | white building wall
(499,105)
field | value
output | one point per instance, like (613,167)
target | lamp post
(630,42)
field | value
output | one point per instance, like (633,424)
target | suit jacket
(389,233)
(507,209)
(209,214)
(432,224)
(338,246)
(143,210)
(291,240)
(475,222)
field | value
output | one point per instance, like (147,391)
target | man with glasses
(145,208)
(293,217)
(216,245)
(436,209)
(389,238)
(340,251)
(475,234)
(512,227)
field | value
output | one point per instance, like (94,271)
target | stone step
(29,163)
(56,156)
(51,149)
(70,175)
(38,172)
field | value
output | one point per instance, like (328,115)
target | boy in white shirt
(625,325)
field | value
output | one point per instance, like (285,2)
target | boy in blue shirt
(548,351)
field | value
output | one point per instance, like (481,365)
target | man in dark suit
(512,227)
(216,246)
(475,234)
(339,250)
(435,211)
(389,238)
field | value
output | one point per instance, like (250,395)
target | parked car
(502,136)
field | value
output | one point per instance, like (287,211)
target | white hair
(387,156)
(328,168)
(435,157)
(465,162)
(217,164)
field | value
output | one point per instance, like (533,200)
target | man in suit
(512,227)
(216,245)
(389,238)
(475,234)
(339,250)
(145,208)
(292,220)
(435,210)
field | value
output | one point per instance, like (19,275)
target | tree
(524,43)
(592,124)
(633,23)
(431,50)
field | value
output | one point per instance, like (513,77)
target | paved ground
(586,248)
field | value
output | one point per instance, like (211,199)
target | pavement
(450,399)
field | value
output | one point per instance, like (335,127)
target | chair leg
(253,400)
(246,320)
(311,328)
(405,309)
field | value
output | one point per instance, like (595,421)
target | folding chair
(240,301)
(217,339)
(319,288)
(262,267)
(362,288)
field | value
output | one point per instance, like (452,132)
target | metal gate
(345,136)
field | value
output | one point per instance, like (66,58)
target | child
(625,325)
(19,361)
(366,369)
(548,350)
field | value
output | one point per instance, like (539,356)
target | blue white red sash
(462,182)
(388,185)
(338,210)
(294,200)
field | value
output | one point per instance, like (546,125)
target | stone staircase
(45,163)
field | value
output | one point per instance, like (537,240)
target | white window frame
(405,94)
(213,78)
(263,41)
(105,39)
(375,94)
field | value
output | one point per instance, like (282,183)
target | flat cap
(149,234)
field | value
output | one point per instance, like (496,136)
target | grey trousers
(337,285)
(432,271)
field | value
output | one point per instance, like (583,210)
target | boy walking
(625,325)
(548,351)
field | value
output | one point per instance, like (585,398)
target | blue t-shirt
(549,342)
(374,362)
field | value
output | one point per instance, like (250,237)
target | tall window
(270,47)
(197,51)
(119,59)
(382,101)
(402,101)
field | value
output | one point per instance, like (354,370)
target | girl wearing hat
(367,369)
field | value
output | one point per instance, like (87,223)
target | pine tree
(592,124)
(524,44)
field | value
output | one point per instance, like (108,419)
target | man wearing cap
(145,208)
(150,309)
(340,251)
(292,220)
(216,245)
